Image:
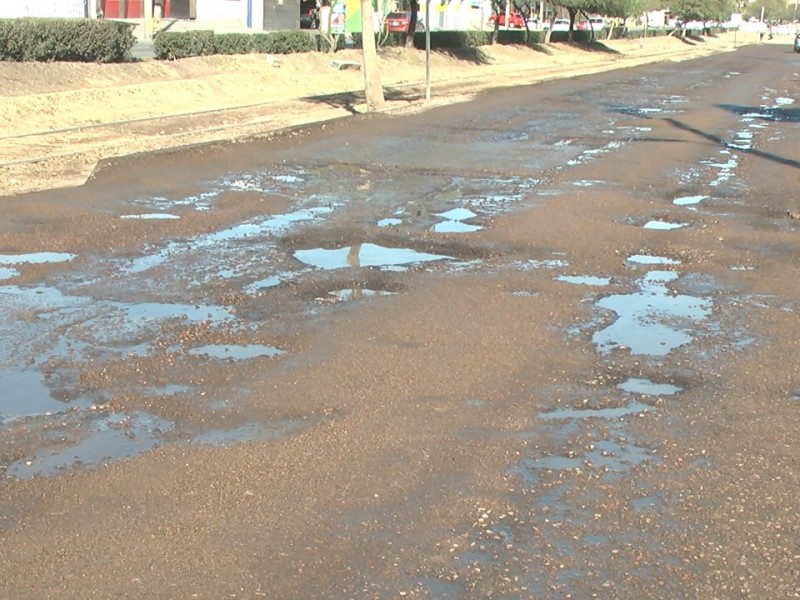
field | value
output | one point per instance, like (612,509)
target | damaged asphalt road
(536,345)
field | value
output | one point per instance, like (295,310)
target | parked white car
(561,25)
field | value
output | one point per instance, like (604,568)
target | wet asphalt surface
(537,345)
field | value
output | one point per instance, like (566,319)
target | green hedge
(75,40)
(172,45)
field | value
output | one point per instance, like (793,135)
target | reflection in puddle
(553,263)
(643,318)
(633,408)
(454,221)
(236,352)
(664,225)
(8,273)
(24,394)
(455,227)
(149,216)
(609,456)
(725,169)
(687,200)
(269,282)
(106,440)
(584,279)
(356,294)
(243,232)
(363,255)
(36,258)
(457,214)
(587,155)
(646,259)
(648,388)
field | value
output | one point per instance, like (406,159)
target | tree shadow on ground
(592,46)
(780,114)
(789,162)
(692,40)
(471,55)
(349,100)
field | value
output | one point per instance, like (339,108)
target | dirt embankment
(60,119)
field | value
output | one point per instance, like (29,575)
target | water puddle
(224,352)
(390,222)
(588,155)
(609,456)
(36,258)
(653,321)
(350,294)
(43,323)
(250,231)
(616,412)
(269,282)
(455,227)
(551,263)
(151,216)
(8,273)
(646,259)
(647,503)
(454,221)
(249,432)
(25,394)
(663,225)
(364,255)
(646,387)
(108,439)
(585,280)
(689,200)
(199,202)
(725,169)
(587,182)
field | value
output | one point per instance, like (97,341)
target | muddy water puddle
(93,438)
(364,255)
(92,444)
(660,225)
(652,321)
(229,352)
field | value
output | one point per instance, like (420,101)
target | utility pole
(427,49)
(148,19)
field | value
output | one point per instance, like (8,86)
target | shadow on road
(349,100)
(789,162)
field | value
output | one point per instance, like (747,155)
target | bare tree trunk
(412,24)
(372,74)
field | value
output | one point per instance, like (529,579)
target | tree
(622,9)
(773,10)
(372,74)
(412,23)
(701,10)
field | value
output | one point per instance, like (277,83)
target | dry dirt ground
(58,120)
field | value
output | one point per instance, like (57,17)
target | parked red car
(515,20)
(397,22)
